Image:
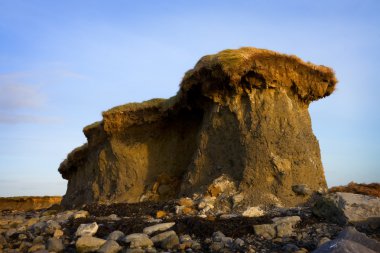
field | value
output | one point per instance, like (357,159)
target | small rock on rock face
(89,244)
(87,229)
(110,247)
(80,214)
(188,202)
(301,189)
(158,227)
(253,212)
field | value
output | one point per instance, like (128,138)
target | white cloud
(31,119)
(19,96)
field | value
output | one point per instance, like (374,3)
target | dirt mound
(28,203)
(241,114)
(365,189)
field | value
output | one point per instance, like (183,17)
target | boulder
(343,208)
(241,114)
(281,227)
(348,241)
(89,244)
(87,229)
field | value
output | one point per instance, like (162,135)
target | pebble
(110,246)
(115,235)
(239,242)
(80,214)
(162,236)
(51,227)
(55,244)
(36,247)
(38,239)
(134,236)
(185,238)
(158,227)
(141,242)
(58,233)
(216,246)
(218,236)
(170,242)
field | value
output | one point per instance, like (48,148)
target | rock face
(28,203)
(239,113)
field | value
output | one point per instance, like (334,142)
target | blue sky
(64,62)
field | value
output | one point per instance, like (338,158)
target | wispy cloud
(30,119)
(19,96)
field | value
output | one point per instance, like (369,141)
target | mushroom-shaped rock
(239,113)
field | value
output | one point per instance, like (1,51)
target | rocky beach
(334,222)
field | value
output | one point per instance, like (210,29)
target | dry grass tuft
(261,68)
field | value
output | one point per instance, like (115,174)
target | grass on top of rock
(372,189)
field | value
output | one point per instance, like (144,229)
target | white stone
(87,229)
(253,211)
(81,214)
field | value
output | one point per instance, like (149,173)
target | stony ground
(178,226)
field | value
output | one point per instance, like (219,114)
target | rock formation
(240,116)
(28,203)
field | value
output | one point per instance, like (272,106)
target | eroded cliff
(241,114)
